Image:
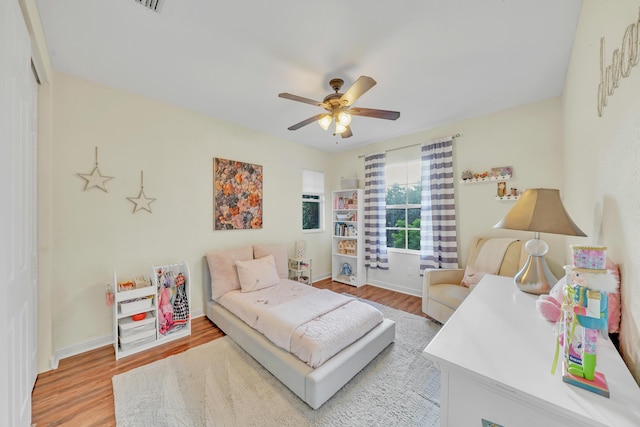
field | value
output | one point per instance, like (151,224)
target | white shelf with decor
(300,270)
(498,175)
(502,173)
(485,179)
(347,241)
(508,198)
(151,310)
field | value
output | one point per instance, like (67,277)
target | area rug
(218,384)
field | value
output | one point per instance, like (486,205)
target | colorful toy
(584,312)
(550,306)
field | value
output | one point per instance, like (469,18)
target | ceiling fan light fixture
(338,109)
(325,121)
(344,118)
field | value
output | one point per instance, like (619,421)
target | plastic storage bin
(135,306)
(134,340)
(128,327)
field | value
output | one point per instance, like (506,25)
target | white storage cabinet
(131,336)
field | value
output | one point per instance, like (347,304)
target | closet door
(18,218)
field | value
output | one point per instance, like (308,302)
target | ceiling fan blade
(357,89)
(305,122)
(376,114)
(347,133)
(302,99)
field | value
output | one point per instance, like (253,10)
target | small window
(403,194)
(312,200)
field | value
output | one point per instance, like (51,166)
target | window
(312,200)
(403,193)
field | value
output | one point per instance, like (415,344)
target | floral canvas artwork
(237,195)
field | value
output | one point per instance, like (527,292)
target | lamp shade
(540,210)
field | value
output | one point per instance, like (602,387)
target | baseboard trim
(396,288)
(319,278)
(79,348)
(92,344)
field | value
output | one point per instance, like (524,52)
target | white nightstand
(300,270)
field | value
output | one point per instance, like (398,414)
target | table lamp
(539,210)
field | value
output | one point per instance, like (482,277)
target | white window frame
(313,192)
(405,206)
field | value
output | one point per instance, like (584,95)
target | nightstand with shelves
(300,270)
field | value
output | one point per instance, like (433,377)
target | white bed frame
(313,386)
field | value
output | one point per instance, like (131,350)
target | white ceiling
(435,61)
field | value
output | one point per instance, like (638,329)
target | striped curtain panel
(438,247)
(375,232)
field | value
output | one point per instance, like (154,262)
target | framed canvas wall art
(237,195)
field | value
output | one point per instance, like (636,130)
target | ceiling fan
(339,106)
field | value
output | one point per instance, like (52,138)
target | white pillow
(258,273)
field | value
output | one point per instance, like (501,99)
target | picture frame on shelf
(501,171)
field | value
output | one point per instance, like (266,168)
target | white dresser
(495,355)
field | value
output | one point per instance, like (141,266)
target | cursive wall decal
(622,61)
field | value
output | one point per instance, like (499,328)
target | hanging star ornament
(142,202)
(95,178)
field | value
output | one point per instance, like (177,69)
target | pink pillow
(471,277)
(223,270)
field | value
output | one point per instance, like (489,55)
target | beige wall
(602,155)
(528,138)
(86,235)
(95,233)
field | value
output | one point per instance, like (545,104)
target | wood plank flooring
(79,392)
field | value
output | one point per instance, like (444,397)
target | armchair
(442,289)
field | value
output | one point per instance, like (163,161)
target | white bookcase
(133,336)
(347,241)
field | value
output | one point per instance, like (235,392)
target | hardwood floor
(79,392)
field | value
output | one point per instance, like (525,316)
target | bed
(317,376)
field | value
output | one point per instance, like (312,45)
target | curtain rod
(405,146)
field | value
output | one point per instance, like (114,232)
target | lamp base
(535,277)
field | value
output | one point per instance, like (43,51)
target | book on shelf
(345,230)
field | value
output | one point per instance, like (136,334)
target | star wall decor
(95,178)
(142,202)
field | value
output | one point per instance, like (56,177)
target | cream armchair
(442,291)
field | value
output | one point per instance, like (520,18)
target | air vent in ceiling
(154,5)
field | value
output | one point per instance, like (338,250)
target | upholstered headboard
(221,274)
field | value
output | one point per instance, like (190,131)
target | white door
(18,219)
